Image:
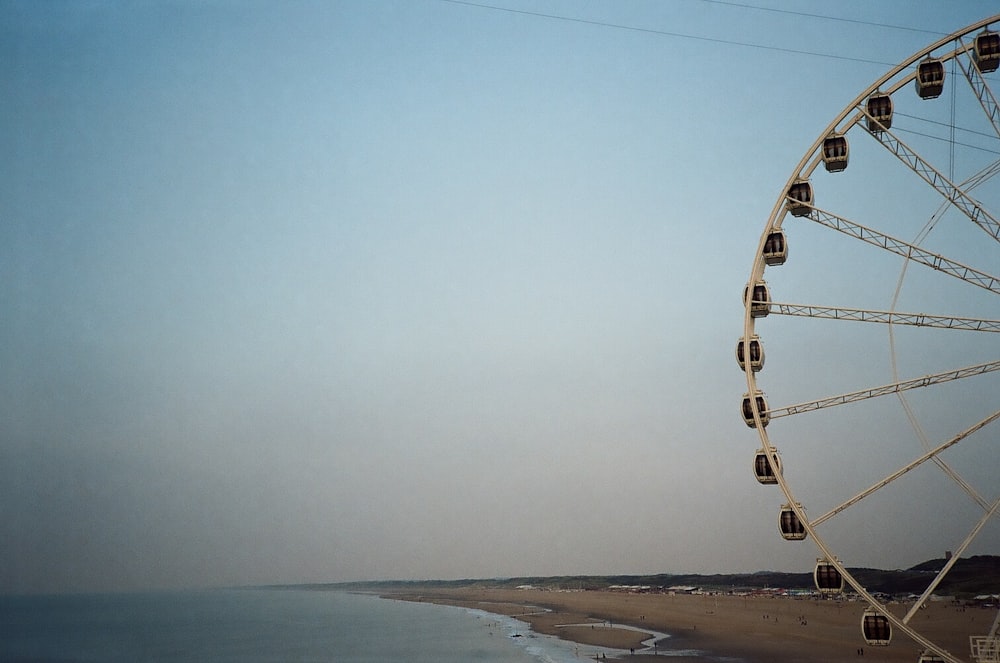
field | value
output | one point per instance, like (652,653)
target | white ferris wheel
(880,312)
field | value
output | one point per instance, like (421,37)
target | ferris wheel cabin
(835,153)
(827,578)
(879,107)
(761,402)
(760,304)
(762,468)
(875,628)
(775,248)
(930,78)
(799,200)
(986,51)
(789,525)
(756,354)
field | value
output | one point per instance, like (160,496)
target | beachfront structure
(909,182)
(986,648)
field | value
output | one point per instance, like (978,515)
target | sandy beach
(749,628)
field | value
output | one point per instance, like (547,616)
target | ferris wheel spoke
(951,562)
(884,317)
(985,175)
(892,388)
(980,88)
(955,195)
(940,462)
(905,249)
(930,455)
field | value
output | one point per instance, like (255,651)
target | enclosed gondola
(763,469)
(986,51)
(879,108)
(747,409)
(929,80)
(929,657)
(835,153)
(760,302)
(827,578)
(789,525)
(756,354)
(876,628)
(799,200)
(775,248)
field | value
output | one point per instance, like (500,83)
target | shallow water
(266,625)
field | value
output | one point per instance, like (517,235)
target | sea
(257,625)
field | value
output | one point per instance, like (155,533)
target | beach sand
(752,629)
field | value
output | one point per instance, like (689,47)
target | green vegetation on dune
(969,577)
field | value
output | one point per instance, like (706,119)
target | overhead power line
(825,18)
(664,33)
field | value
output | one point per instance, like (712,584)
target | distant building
(635,589)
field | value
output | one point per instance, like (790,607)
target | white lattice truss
(985,649)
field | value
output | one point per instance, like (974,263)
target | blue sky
(312,291)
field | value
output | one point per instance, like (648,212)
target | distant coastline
(969,577)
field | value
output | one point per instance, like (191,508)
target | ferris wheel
(880,313)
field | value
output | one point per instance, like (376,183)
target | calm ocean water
(264,625)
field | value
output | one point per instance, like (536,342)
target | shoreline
(748,629)
(566,625)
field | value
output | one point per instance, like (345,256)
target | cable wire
(826,18)
(663,33)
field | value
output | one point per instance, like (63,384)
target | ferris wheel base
(985,649)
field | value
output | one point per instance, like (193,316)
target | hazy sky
(329,291)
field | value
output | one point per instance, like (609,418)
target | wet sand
(750,629)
